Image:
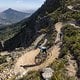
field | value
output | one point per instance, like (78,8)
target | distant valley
(11,16)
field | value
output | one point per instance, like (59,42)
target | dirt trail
(58,27)
(26,59)
(29,58)
(74,24)
(72,8)
(38,40)
(55,52)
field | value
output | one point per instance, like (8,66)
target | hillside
(10,16)
(25,37)
(40,20)
(56,25)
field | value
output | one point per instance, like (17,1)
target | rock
(47,73)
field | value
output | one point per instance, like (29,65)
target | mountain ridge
(11,16)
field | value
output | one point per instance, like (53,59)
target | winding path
(72,8)
(72,23)
(29,58)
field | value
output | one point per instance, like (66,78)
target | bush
(71,42)
(31,76)
(2,59)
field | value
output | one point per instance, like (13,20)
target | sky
(20,4)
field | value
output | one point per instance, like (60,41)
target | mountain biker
(43,49)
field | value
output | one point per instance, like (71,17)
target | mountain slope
(51,12)
(59,23)
(25,37)
(10,16)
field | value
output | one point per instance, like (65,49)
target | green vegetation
(32,76)
(71,15)
(4,63)
(2,59)
(71,40)
(12,78)
(59,70)
(51,35)
(73,2)
(71,43)
(66,15)
(9,31)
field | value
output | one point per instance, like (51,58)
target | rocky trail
(29,57)
(72,23)
(16,64)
